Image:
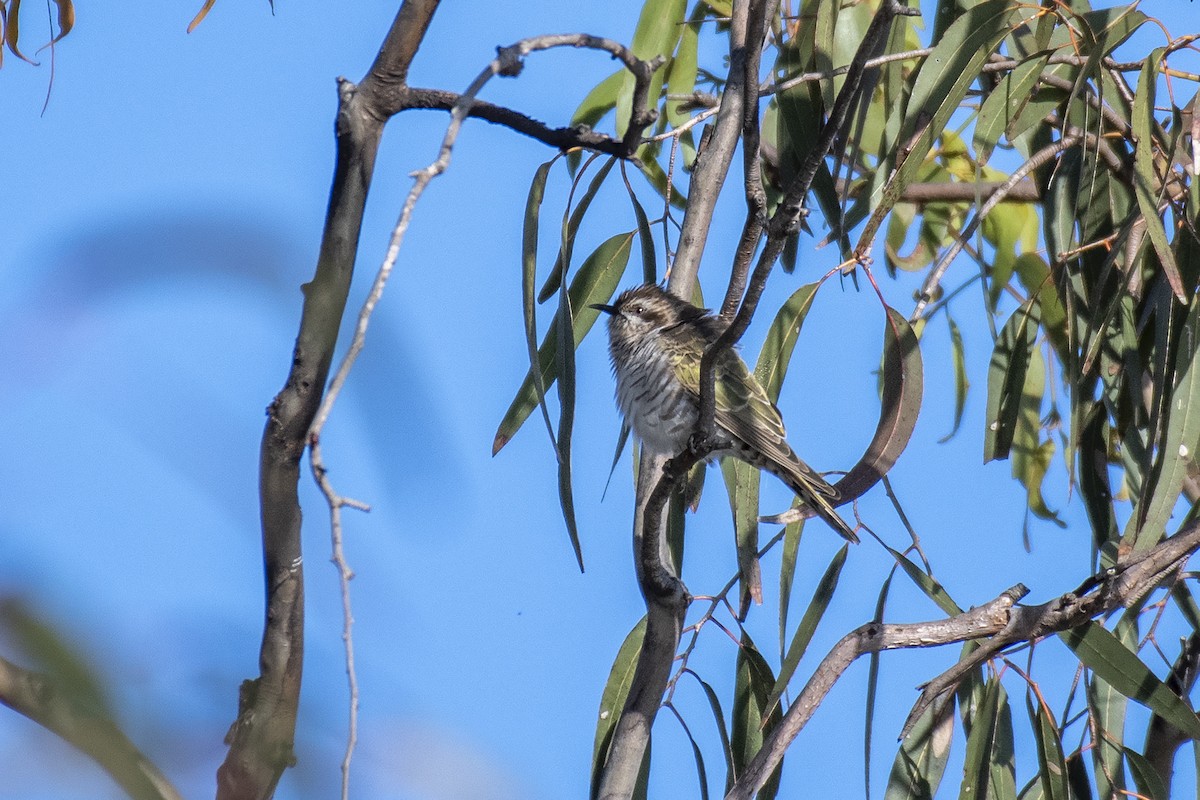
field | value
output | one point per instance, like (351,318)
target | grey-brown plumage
(656,341)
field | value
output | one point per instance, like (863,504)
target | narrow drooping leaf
(776,354)
(1146,184)
(529,245)
(752,720)
(787,573)
(571,229)
(659,27)
(919,766)
(1146,777)
(958,358)
(1003,110)
(1031,455)
(565,366)
(742,483)
(1052,766)
(714,703)
(901,379)
(927,584)
(1104,654)
(822,596)
(1006,380)
(612,700)
(697,755)
(645,236)
(595,282)
(989,768)
(622,439)
(1182,440)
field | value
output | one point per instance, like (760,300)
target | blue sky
(159,220)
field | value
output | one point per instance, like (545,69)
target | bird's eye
(637,309)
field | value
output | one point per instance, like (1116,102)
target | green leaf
(612,701)
(742,483)
(942,83)
(1031,456)
(1034,274)
(1149,782)
(698,756)
(1052,766)
(714,703)
(595,282)
(1147,187)
(1005,109)
(1006,380)
(822,596)
(919,766)
(776,354)
(599,101)
(529,245)
(901,380)
(658,30)
(681,80)
(787,573)
(961,384)
(570,229)
(927,584)
(753,721)
(1104,654)
(565,365)
(645,237)
(989,766)
(1182,437)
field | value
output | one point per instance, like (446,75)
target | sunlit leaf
(658,30)
(919,766)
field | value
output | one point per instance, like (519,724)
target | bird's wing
(743,409)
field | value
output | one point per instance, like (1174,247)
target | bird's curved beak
(607,309)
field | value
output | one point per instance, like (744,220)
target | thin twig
(508,62)
(939,269)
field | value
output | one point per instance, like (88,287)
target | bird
(656,341)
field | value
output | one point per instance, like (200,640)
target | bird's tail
(817,494)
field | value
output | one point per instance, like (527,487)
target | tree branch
(260,740)
(1002,619)
(665,596)
(92,731)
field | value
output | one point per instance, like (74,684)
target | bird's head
(644,310)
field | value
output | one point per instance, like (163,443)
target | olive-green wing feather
(744,410)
